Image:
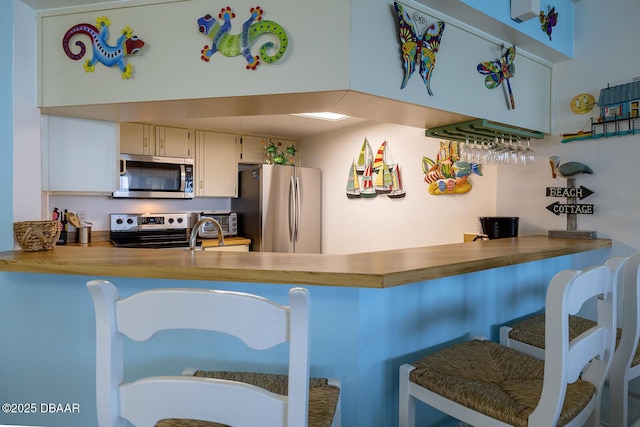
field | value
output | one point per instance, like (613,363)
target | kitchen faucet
(196,227)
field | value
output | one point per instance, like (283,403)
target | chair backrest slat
(147,400)
(257,321)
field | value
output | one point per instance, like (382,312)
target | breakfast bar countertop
(380,269)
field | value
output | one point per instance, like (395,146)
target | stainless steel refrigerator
(279,208)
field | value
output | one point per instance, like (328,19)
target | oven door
(152,239)
(155,177)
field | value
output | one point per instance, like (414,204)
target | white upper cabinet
(137,138)
(174,142)
(251,149)
(216,165)
(79,155)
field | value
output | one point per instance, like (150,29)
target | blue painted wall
(6,126)
(362,336)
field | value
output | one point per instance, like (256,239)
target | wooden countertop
(370,270)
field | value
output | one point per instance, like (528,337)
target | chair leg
(504,335)
(406,403)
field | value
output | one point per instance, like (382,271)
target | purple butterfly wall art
(548,21)
(418,49)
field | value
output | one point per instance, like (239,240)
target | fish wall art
(127,44)
(240,44)
(447,174)
(418,47)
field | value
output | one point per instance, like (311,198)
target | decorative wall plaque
(572,193)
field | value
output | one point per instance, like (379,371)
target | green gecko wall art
(240,44)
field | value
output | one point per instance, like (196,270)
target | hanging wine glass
(487,153)
(502,152)
(464,156)
(477,152)
(494,151)
(522,157)
(513,153)
(529,154)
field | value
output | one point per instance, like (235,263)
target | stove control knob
(119,221)
(170,220)
(179,220)
(129,221)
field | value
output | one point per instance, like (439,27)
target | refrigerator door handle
(292,209)
(297,219)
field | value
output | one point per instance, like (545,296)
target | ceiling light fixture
(332,117)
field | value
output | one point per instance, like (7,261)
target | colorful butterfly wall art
(549,20)
(499,71)
(418,48)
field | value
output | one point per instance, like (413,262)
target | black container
(499,227)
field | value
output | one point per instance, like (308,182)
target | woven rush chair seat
(531,331)
(323,397)
(498,390)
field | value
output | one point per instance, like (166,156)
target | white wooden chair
(483,383)
(258,322)
(528,336)
(626,360)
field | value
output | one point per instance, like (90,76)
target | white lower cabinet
(216,165)
(79,155)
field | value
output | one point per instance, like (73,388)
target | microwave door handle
(183,177)
(123,166)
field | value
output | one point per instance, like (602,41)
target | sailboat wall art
(371,176)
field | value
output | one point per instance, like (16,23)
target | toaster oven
(228,221)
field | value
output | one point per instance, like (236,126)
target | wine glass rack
(481,130)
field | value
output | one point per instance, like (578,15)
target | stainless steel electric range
(150,230)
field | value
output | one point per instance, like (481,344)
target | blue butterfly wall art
(499,71)
(419,48)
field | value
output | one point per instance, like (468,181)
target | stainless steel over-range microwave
(155,177)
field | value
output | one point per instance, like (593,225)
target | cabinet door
(216,165)
(174,142)
(79,155)
(251,149)
(137,138)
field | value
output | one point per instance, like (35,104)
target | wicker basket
(36,235)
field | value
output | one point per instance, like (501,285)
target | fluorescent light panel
(332,117)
